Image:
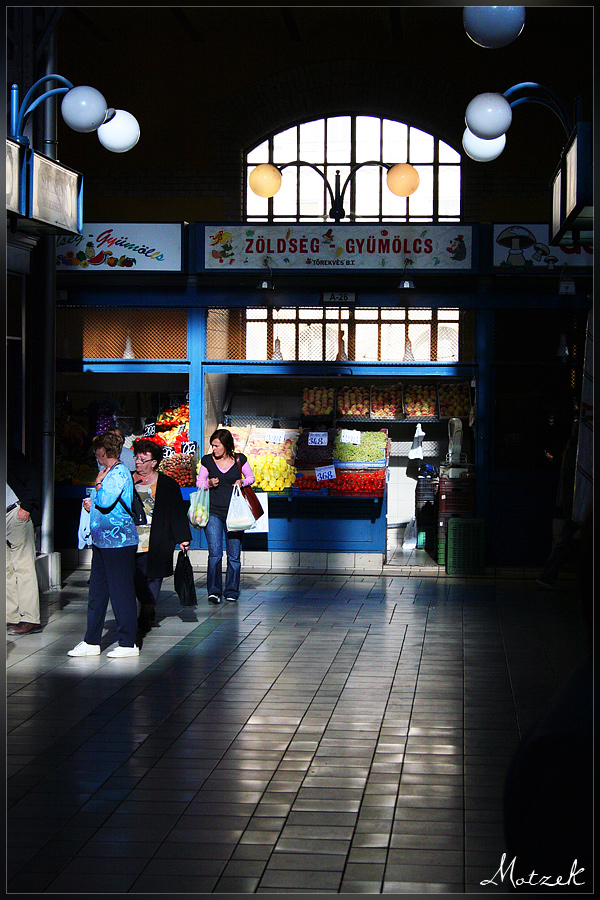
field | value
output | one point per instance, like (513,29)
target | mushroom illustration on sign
(540,250)
(516,238)
(551,261)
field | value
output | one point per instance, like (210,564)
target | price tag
(188,448)
(181,429)
(168,452)
(174,400)
(275,436)
(325,473)
(317,438)
(149,429)
(349,436)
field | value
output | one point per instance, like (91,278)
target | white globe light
(403,179)
(488,115)
(480,150)
(83,108)
(265,180)
(120,133)
(493,26)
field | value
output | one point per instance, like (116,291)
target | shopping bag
(239,514)
(253,501)
(199,508)
(410,535)
(183,580)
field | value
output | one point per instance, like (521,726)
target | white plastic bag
(416,451)
(239,514)
(199,508)
(410,535)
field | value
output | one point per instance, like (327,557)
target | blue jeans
(214,531)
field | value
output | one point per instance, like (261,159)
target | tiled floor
(326,734)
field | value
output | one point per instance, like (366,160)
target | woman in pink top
(219,472)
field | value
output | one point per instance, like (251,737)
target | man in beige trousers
(23,513)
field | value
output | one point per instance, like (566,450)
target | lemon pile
(272,472)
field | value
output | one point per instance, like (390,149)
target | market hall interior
(413,683)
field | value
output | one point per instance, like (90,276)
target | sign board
(55,194)
(519,249)
(15,182)
(122,247)
(332,247)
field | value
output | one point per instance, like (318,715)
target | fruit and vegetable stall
(325,475)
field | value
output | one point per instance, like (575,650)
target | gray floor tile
(331,734)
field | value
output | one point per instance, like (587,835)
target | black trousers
(111,577)
(146,589)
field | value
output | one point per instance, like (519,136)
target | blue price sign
(317,438)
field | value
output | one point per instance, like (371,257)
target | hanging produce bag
(239,514)
(199,508)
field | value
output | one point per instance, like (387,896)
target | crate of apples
(317,401)
(455,399)
(353,402)
(386,402)
(420,401)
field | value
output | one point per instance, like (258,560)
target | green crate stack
(465,547)
(441,551)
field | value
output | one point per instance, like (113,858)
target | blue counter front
(328,524)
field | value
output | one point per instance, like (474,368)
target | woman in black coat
(167,525)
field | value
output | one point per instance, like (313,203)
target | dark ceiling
(184,70)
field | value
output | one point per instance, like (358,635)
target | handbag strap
(124,505)
(237,457)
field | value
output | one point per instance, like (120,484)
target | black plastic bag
(184,580)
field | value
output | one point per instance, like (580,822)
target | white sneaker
(120,652)
(83,649)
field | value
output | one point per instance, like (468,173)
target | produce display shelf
(380,463)
(373,495)
(285,493)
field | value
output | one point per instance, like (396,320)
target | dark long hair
(226,438)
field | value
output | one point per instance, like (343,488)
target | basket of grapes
(360,449)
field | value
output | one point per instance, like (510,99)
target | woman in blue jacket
(114,544)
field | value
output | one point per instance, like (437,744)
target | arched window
(340,142)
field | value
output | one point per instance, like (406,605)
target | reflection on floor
(332,734)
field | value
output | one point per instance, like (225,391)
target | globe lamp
(493,26)
(488,115)
(265,180)
(83,108)
(120,133)
(403,179)
(481,150)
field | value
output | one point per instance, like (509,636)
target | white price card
(317,438)
(188,448)
(325,473)
(275,436)
(349,436)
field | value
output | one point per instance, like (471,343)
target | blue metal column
(196,343)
